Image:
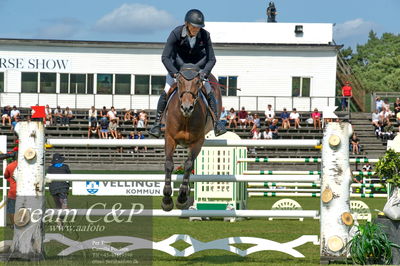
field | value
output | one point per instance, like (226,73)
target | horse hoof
(183,206)
(167,204)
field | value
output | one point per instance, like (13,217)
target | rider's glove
(203,75)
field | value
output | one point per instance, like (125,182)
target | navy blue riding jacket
(178,44)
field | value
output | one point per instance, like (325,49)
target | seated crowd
(381,118)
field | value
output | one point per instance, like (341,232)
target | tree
(376,63)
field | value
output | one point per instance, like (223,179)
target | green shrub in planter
(370,245)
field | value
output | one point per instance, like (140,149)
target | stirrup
(155,131)
(219,129)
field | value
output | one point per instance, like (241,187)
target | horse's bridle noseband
(194,95)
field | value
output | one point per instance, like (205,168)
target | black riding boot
(219,127)
(155,131)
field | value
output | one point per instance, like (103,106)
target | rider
(191,43)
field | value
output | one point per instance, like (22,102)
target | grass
(159,229)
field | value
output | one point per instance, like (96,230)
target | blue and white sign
(92,186)
(117,188)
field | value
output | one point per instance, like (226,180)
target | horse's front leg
(167,203)
(183,201)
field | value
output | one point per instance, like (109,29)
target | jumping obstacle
(276,143)
(194,178)
(300,160)
(333,133)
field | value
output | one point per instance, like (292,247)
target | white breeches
(170,80)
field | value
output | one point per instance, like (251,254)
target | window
(76,83)
(157,84)
(47,82)
(228,85)
(29,82)
(64,81)
(1,82)
(122,84)
(104,83)
(142,84)
(301,86)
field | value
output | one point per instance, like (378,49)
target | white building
(283,64)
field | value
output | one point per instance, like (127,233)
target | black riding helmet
(195,17)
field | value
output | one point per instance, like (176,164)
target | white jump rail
(277,143)
(190,213)
(193,178)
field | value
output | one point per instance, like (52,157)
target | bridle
(187,90)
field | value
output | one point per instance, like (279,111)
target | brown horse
(187,120)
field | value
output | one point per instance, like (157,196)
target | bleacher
(153,159)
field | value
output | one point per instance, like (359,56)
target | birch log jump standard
(29,229)
(335,217)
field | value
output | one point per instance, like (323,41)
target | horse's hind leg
(183,201)
(167,203)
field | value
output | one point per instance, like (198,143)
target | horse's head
(189,84)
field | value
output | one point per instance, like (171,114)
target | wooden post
(335,217)
(30,204)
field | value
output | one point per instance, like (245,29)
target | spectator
(386,105)
(224,116)
(295,117)
(375,118)
(269,115)
(140,136)
(113,128)
(250,119)
(104,127)
(92,115)
(388,132)
(256,133)
(384,116)
(396,106)
(346,93)
(93,130)
(142,123)
(285,119)
(367,167)
(398,120)
(257,121)
(15,112)
(274,129)
(316,116)
(12,192)
(67,117)
(355,144)
(232,117)
(59,189)
(267,134)
(242,115)
(378,103)
(135,118)
(379,130)
(49,116)
(128,115)
(120,136)
(103,112)
(112,114)
(14,122)
(6,115)
(58,114)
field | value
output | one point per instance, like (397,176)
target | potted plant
(387,169)
(370,245)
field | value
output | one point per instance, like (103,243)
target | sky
(151,20)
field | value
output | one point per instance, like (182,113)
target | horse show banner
(117,188)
